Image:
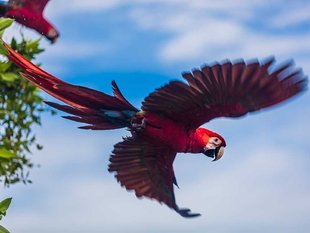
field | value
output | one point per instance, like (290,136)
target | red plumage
(171,116)
(30,14)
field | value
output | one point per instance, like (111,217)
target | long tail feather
(99,110)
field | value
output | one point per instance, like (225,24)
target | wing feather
(226,90)
(146,169)
(36,5)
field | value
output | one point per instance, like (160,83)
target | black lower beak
(210,153)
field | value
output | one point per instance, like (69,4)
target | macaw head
(212,143)
(47,29)
(52,35)
(35,21)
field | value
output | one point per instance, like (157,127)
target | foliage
(4,205)
(5,23)
(20,108)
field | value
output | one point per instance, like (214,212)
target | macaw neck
(195,143)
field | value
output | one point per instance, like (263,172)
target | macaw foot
(138,123)
(186,213)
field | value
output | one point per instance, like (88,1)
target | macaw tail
(98,110)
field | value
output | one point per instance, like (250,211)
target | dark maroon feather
(227,89)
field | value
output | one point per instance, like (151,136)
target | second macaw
(171,116)
(30,14)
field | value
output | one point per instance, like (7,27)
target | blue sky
(262,182)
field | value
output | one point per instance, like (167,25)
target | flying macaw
(30,14)
(171,116)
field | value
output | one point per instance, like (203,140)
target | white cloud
(197,31)
(15,31)
(298,13)
(253,193)
(238,7)
(201,41)
(256,191)
(200,29)
(75,49)
(285,47)
(59,7)
(95,4)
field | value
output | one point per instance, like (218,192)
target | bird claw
(186,213)
(138,123)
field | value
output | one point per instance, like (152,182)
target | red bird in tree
(30,14)
(170,117)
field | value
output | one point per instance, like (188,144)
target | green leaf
(36,90)
(3,230)
(5,23)
(14,43)
(3,49)
(32,44)
(9,76)
(4,205)
(4,66)
(5,154)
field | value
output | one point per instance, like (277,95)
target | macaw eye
(216,140)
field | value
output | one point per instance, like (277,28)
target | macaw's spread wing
(226,90)
(147,169)
(36,5)
(97,109)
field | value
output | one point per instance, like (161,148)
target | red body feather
(175,135)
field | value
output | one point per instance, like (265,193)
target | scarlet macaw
(30,14)
(171,115)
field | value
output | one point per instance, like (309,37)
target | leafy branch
(4,205)
(20,108)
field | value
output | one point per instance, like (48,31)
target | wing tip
(267,61)
(186,213)
(88,127)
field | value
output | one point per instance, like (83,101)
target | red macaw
(30,14)
(171,115)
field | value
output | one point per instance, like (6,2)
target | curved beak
(216,153)
(52,35)
(219,152)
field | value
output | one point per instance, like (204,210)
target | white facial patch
(213,143)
